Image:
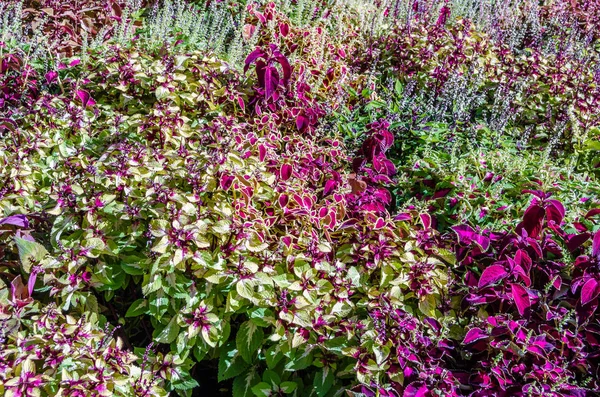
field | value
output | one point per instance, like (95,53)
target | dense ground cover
(305,198)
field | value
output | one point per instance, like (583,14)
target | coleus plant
(537,320)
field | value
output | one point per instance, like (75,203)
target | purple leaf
(589,291)
(285,172)
(464,233)
(31,282)
(415,389)
(532,220)
(301,122)
(271,81)
(474,334)
(86,98)
(596,245)
(257,53)
(15,220)
(492,275)
(285,66)
(555,211)
(521,298)
(574,241)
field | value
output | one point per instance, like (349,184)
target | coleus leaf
(532,220)
(574,241)
(491,275)
(15,220)
(596,245)
(589,291)
(323,381)
(555,211)
(271,81)
(521,298)
(248,340)
(29,252)
(285,172)
(474,334)
(231,362)
(85,98)
(253,56)
(467,235)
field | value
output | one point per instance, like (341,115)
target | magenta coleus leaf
(254,55)
(85,98)
(589,291)
(521,298)
(474,334)
(285,172)
(271,81)
(532,220)
(492,275)
(596,245)
(555,211)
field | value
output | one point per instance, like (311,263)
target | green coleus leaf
(245,288)
(248,340)
(243,384)
(273,355)
(263,389)
(323,381)
(288,387)
(231,362)
(169,333)
(29,251)
(137,308)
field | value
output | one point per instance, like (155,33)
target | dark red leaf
(521,298)
(592,212)
(555,211)
(532,220)
(574,241)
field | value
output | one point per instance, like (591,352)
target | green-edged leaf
(243,384)
(137,308)
(245,288)
(169,333)
(29,251)
(288,387)
(263,389)
(231,363)
(273,355)
(323,381)
(248,339)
